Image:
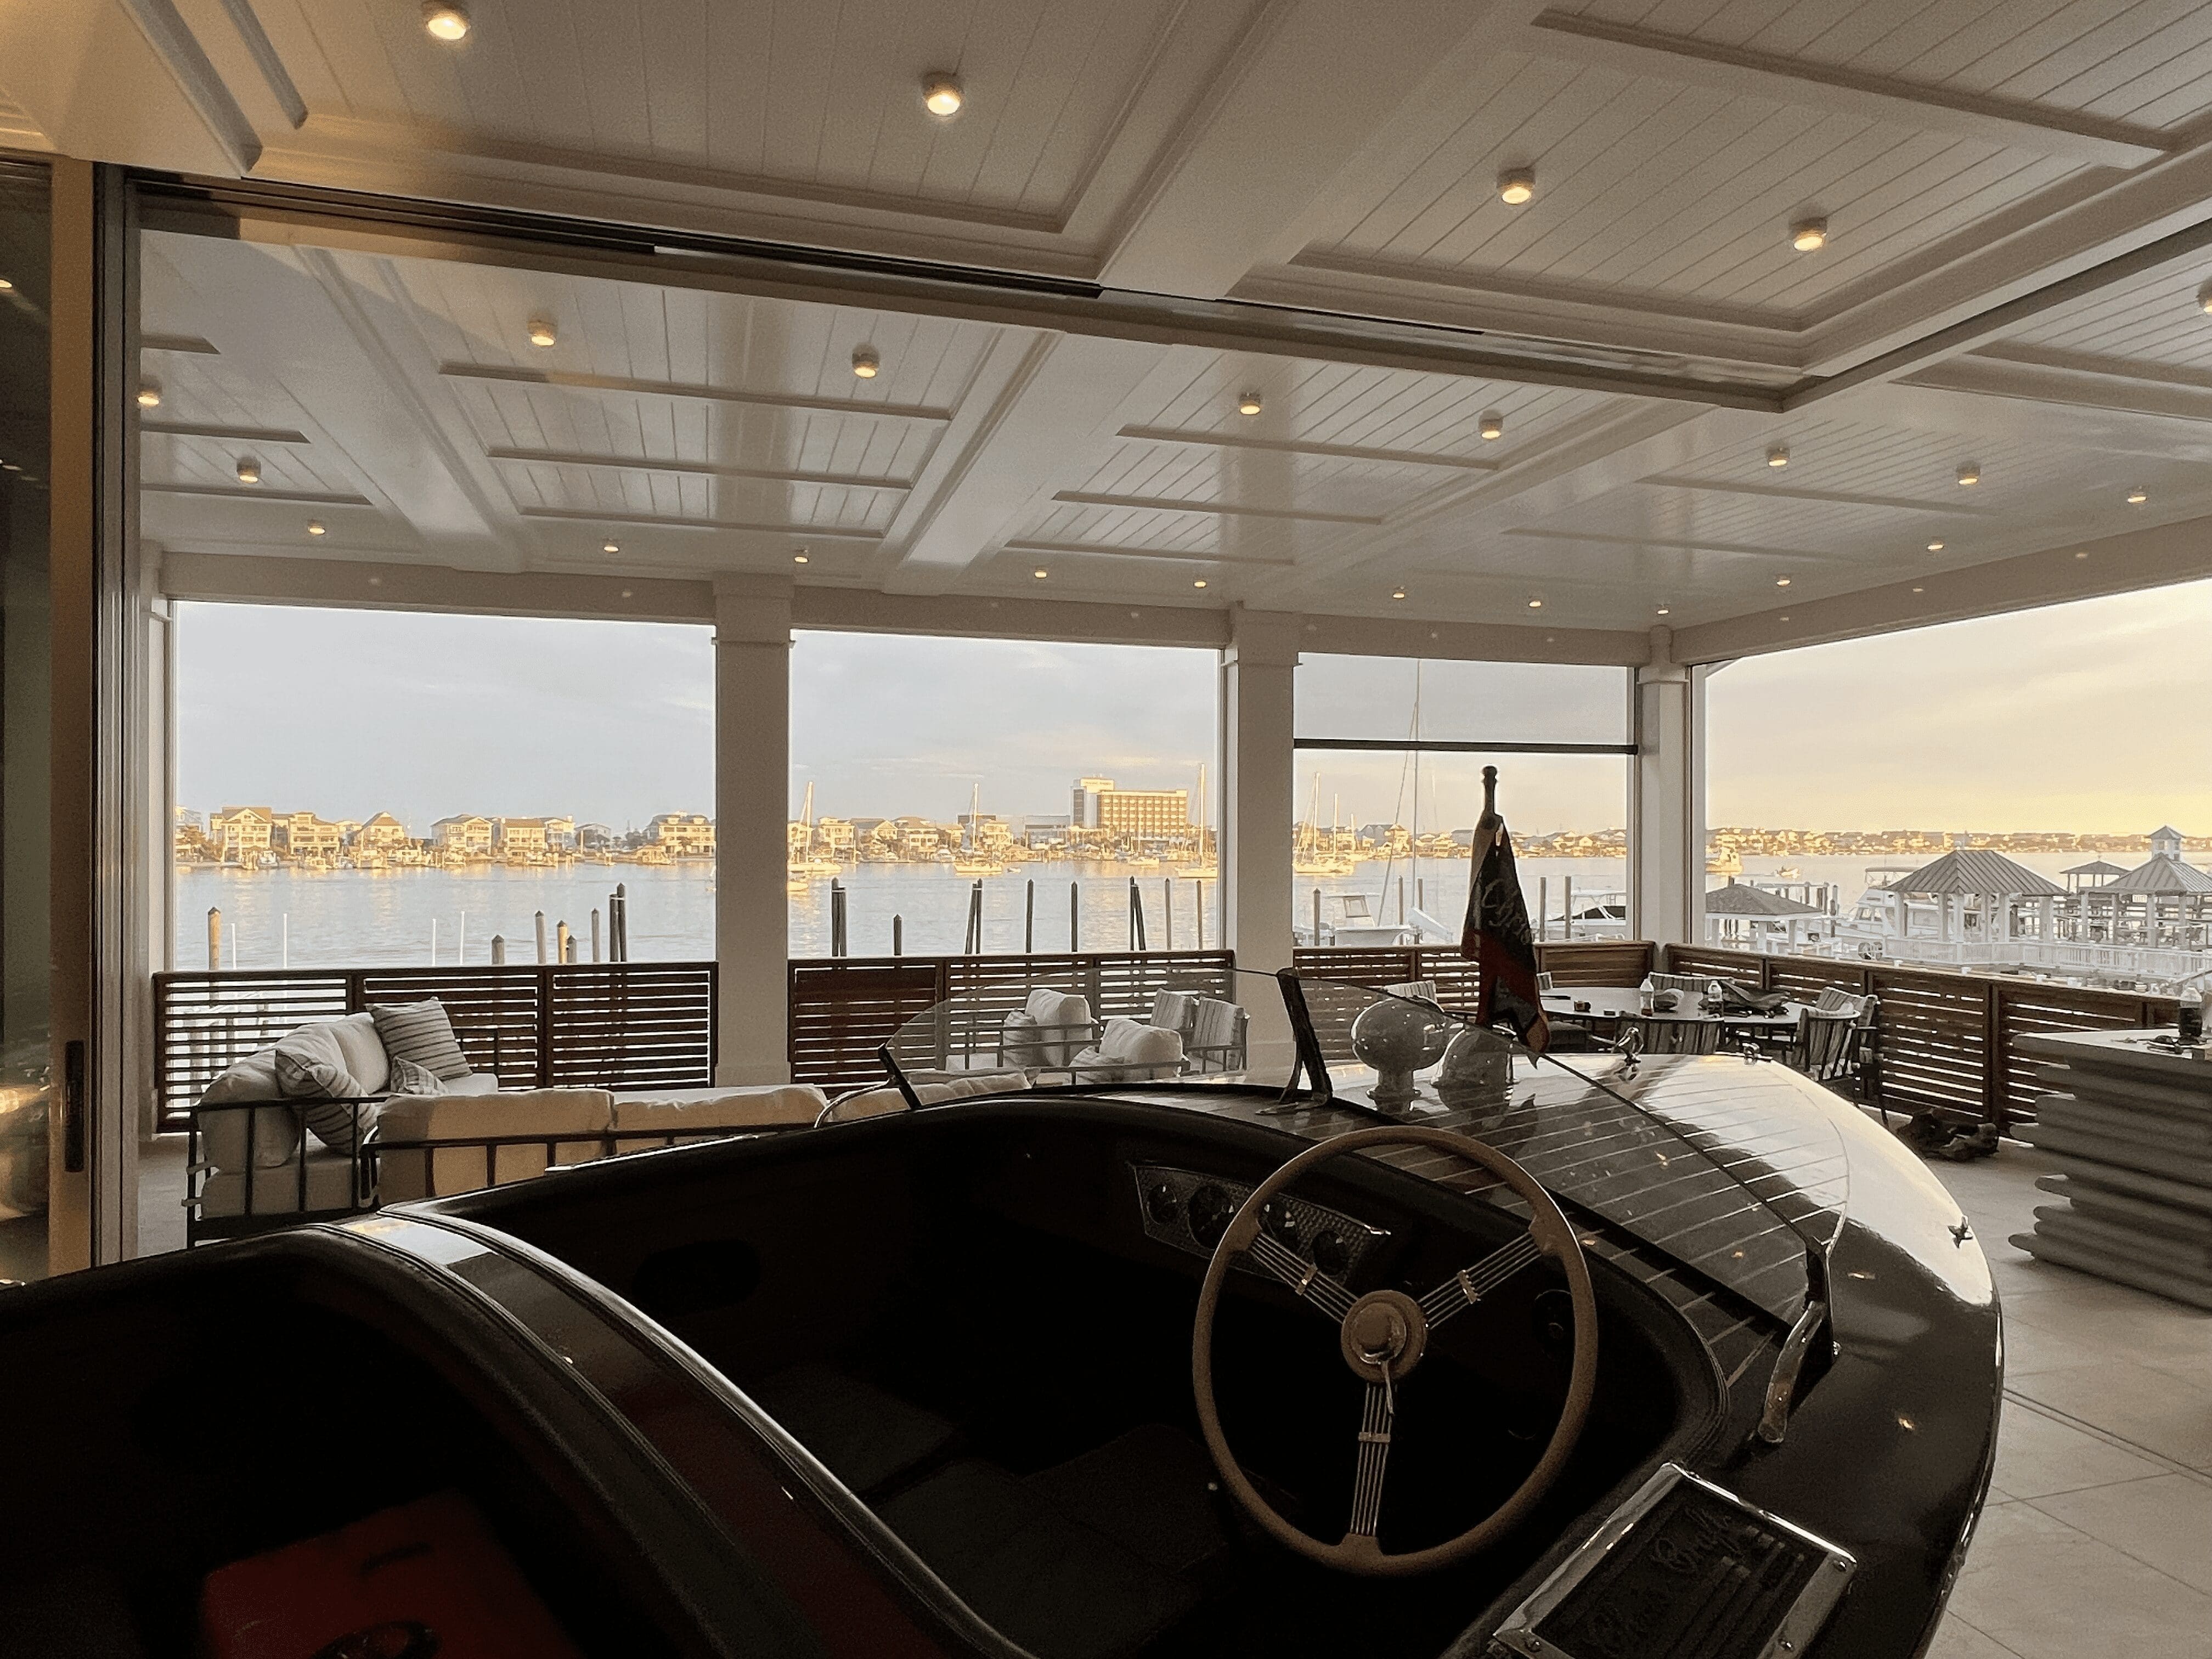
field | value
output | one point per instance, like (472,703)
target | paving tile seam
(2120,1442)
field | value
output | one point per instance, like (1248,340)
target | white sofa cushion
(275,1131)
(334,1060)
(710,1113)
(364,1052)
(311,1065)
(277,1192)
(546,1115)
(420,1032)
(881,1102)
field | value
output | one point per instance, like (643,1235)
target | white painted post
(752,786)
(284,959)
(215,940)
(461,941)
(595,932)
(541,938)
(1666,798)
(1257,808)
(434,941)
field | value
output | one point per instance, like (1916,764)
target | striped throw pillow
(420,1032)
(408,1078)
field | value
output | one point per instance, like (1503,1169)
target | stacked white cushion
(1130,1051)
(708,1113)
(879,1102)
(546,1114)
(1060,1020)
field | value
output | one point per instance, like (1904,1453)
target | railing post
(1995,1106)
(545,1027)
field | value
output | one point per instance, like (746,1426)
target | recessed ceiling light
(1201,582)
(610,547)
(1516,186)
(1040,573)
(7,287)
(2138,496)
(149,396)
(445,20)
(1535,604)
(249,470)
(1934,547)
(1785,619)
(1663,610)
(941,93)
(1781,581)
(800,557)
(376,581)
(1397,593)
(1493,425)
(625,593)
(1248,403)
(317,528)
(1778,456)
(541,331)
(1808,235)
(2204,296)
(865,363)
(2080,556)
(1920,590)
(1971,474)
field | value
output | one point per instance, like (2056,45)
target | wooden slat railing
(843,1008)
(1947,1038)
(623,1024)
(1579,962)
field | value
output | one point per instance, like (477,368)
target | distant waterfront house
(683,835)
(595,838)
(837,835)
(241,833)
(561,834)
(381,833)
(304,836)
(518,837)
(464,834)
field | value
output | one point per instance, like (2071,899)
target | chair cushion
(1134,1042)
(712,1112)
(574,1121)
(420,1031)
(275,1133)
(1064,1018)
(330,1178)
(315,1064)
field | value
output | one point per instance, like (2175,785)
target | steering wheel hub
(1383,1331)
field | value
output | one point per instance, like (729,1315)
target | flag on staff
(1497,936)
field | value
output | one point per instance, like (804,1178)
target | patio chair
(1675,1037)
(1840,1048)
(1694,984)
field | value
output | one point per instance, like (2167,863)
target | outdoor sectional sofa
(263,1154)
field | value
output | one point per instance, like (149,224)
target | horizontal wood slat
(1947,1038)
(630,1025)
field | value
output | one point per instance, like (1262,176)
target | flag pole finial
(1489,790)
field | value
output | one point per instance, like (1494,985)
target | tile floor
(2098,1537)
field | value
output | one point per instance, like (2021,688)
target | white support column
(1667,799)
(752,773)
(1256,809)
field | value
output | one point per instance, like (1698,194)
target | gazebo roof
(1736,899)
(2094,867)
(2165,832)
(2161,875)
(1977,870)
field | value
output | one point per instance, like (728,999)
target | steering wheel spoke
(1307,1282)
(1376,1420)
(1470,1285)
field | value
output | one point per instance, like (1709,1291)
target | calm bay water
(361,918)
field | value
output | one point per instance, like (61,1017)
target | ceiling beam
(1881,99)
(697,469)
(713,394)
(244,435)
(665,521)
(1162,434)
(1120,551)
(1833,497)
(258,493)
(1219,509)
(1686,545)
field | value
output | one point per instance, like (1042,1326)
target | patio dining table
(1611,1003)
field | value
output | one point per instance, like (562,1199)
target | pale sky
(2087,717)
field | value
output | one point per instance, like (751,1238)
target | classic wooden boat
(1416,1353)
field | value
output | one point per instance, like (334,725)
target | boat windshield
(1724,1165)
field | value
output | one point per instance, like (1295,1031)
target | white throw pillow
(1066,1019)
(311,1065)
(363,1051)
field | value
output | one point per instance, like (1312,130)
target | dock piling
(215,940)
(499,951)
(541,938)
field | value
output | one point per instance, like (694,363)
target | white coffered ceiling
(1294,199)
